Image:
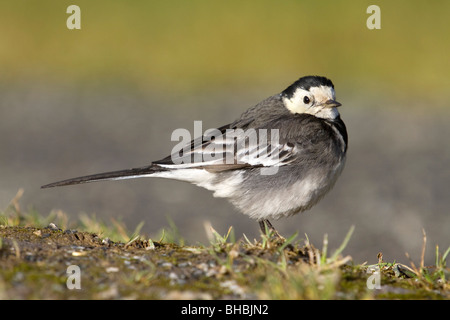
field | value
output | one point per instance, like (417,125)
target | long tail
(113,175)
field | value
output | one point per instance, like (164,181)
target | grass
(169,268)
(428,277)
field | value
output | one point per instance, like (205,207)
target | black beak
(331,104)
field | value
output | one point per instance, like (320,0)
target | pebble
(106,241)
(167,265)
(53,226)
(112,269)
(79,253)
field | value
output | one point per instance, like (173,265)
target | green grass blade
(343,244)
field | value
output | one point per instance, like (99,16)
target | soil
(35,264)
(50,263)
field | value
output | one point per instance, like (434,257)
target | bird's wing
(232,148)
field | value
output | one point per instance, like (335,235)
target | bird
(279,158)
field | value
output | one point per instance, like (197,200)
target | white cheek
(295,104)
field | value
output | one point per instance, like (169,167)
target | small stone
(112,269)
(106,241)
(53,226)
(79,253)
(167,265)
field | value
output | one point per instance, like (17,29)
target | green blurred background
(108,96)
(198,45)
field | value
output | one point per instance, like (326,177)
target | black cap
(306,83)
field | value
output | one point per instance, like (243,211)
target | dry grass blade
(15,201)
(424,244)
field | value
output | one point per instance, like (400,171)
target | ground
(38,263)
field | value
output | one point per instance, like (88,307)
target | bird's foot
(269,231)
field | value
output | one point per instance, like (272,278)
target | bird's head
(312,95)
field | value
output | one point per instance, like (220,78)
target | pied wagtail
(307,156)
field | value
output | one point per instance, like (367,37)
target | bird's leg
(269,230)
(264,223)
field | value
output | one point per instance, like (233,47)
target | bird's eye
(306,100)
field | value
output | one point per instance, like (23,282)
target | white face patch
(312,102)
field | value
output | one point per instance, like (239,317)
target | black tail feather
(113,175)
